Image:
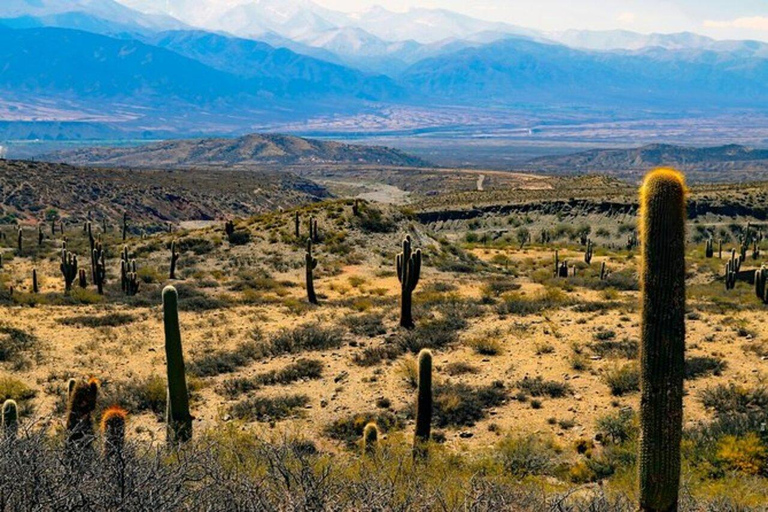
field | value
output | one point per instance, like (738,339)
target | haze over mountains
(140,68)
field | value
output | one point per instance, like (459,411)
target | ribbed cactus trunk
(310,265)
(423,404)
(177,417)
(408,273)
(662,224)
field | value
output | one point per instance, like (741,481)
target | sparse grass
(702,366)
(623,379)
(265,409)
(368,324)
(537,386)
(609,348)
(302,369)
(457,368)
(464,405)
(227,361)
(487,343)
(94,321)
(350,428)
(308,337)
(15,344)
(528,455)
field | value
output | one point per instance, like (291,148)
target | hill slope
(30,189)
(251,150)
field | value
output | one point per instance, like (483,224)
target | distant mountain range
(255,150)
(186,67)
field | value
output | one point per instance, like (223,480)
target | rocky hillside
(700,163)
(33,190)
(251,150)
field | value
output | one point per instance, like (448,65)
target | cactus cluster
(81,402)
(310,263)
(129,277)
(68,267)
(408,265)
(662,347)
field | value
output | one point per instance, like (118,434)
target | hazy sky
(718,18)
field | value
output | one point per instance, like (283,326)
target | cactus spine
(81,402)
(408,273)
(310,264)
(10,419)
(423,404)
(68,268)
(177,417)
(113,432)
(174,260)
(370,438)
(662,221)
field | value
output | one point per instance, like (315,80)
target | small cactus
(423,403)
(588,253)
(20,240)
(177,417)
(408,273)
(10,419)
(81,402)
(113,431)
(662,347)
(296,225)
(35,285)
(40,235)
(174,260)
(603,273)
(82,278)
(100,268)
(125,225)
(370,438)
(310,264)
(709,249)
(229,229)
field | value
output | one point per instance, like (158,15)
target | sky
(723,19)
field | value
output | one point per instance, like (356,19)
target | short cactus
(20,240)
(370,438)
(177,417)
(35,285)
(125,225)
(10,419)
(40,235)
(588,253)
(174,260)
(82,279)
(408,273)
(81,402)
(662,368)
(229,229)
(423,403)
(310,264)
(100,268)
(296,225)
(709,248)
(113,431)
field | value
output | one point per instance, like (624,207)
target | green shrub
(368,324)
(268,408)
(537,386)
(696,367)
(623,379)
(350,429)
(108,320)
(528,455)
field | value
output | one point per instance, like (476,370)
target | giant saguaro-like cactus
(423,404)
(68,268)
(177,417)
(408,273)
(310,264)
(662,225)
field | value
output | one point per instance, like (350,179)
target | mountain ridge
(253,150)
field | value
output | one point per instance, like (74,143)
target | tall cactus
(174,259)
(35,285)
(10,419)
(125,225)
(662,223)
(423,404)
(113,432)
(408,273)
(81,402)
(296,225)
(20,240)
(310,265)
(99,269)
(177,417)
(68,268)
(588,253)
